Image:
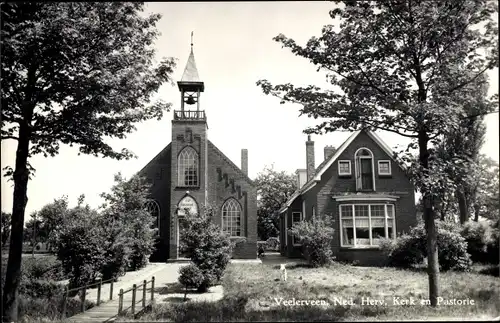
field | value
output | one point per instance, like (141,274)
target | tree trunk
(476,212)
(430,227)
(462,206)
(13,274)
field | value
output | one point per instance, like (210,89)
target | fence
(83,289)
(134,300)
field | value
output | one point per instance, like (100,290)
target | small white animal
(283,275)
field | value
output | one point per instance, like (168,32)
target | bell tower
(190,86)
(189,156)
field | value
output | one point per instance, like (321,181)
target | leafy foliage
(273,190)
(316,236)
(208,247)
(128,222)
(407,67)
(410,249)
(73,73)
(6,222)
(190,277)
(478,236)
(80,248)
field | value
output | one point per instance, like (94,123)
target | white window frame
(232,217)
(386,218)
(188,160)
(293,222)
(150,203)
(384,161)
(357,168)
(344,161)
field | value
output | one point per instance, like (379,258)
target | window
(344,167)
(365,177)
(296,217)
(363,225)
(188,167)
(154,209)
(231,218)
(384,167)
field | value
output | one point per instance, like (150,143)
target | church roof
(190,72)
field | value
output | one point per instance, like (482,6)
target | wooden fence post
(84,295)
(99,286)
(111,290)
(144,284)
(65,298)
(120,301)
(134,290)
(152,288)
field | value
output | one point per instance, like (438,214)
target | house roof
(320,170)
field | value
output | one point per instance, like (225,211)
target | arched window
(231,218)
(188,167)
(365,176)
(154,209)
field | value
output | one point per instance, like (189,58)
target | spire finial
(191,40)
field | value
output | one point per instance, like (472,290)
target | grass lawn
(250,291)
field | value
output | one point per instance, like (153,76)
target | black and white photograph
(224,161)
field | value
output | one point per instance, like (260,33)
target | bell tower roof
(190,80)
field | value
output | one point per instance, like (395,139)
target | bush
(478,236)
(405,252)
(47,267)
(209,249)
(116,262)
(316,238)
(273,243)
(190,277)
(409,250)
(48,308)
(80,249)
(41,288)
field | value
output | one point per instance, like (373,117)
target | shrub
(316,238)
(41,288)
(48,267)
(190,277)
(478,236)
(117,258)
(209,249)
(48,308)
(405,252)
(273,243)
(80,249)
(409,250)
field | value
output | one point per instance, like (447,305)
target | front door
(181,227)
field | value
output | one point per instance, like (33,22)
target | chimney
(329,151)
(310,158)
(244,161)
(301,177)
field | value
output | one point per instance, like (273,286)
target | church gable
(225,165)
(158,169)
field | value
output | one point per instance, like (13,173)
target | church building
(365,191)
(191,173)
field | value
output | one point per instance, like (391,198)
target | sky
(233,48)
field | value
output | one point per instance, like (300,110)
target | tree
(6,219)
(409,67)
(130,218)
(73,73)
(207,246)
(273,189)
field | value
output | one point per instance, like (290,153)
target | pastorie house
(191,172)
(363,188)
